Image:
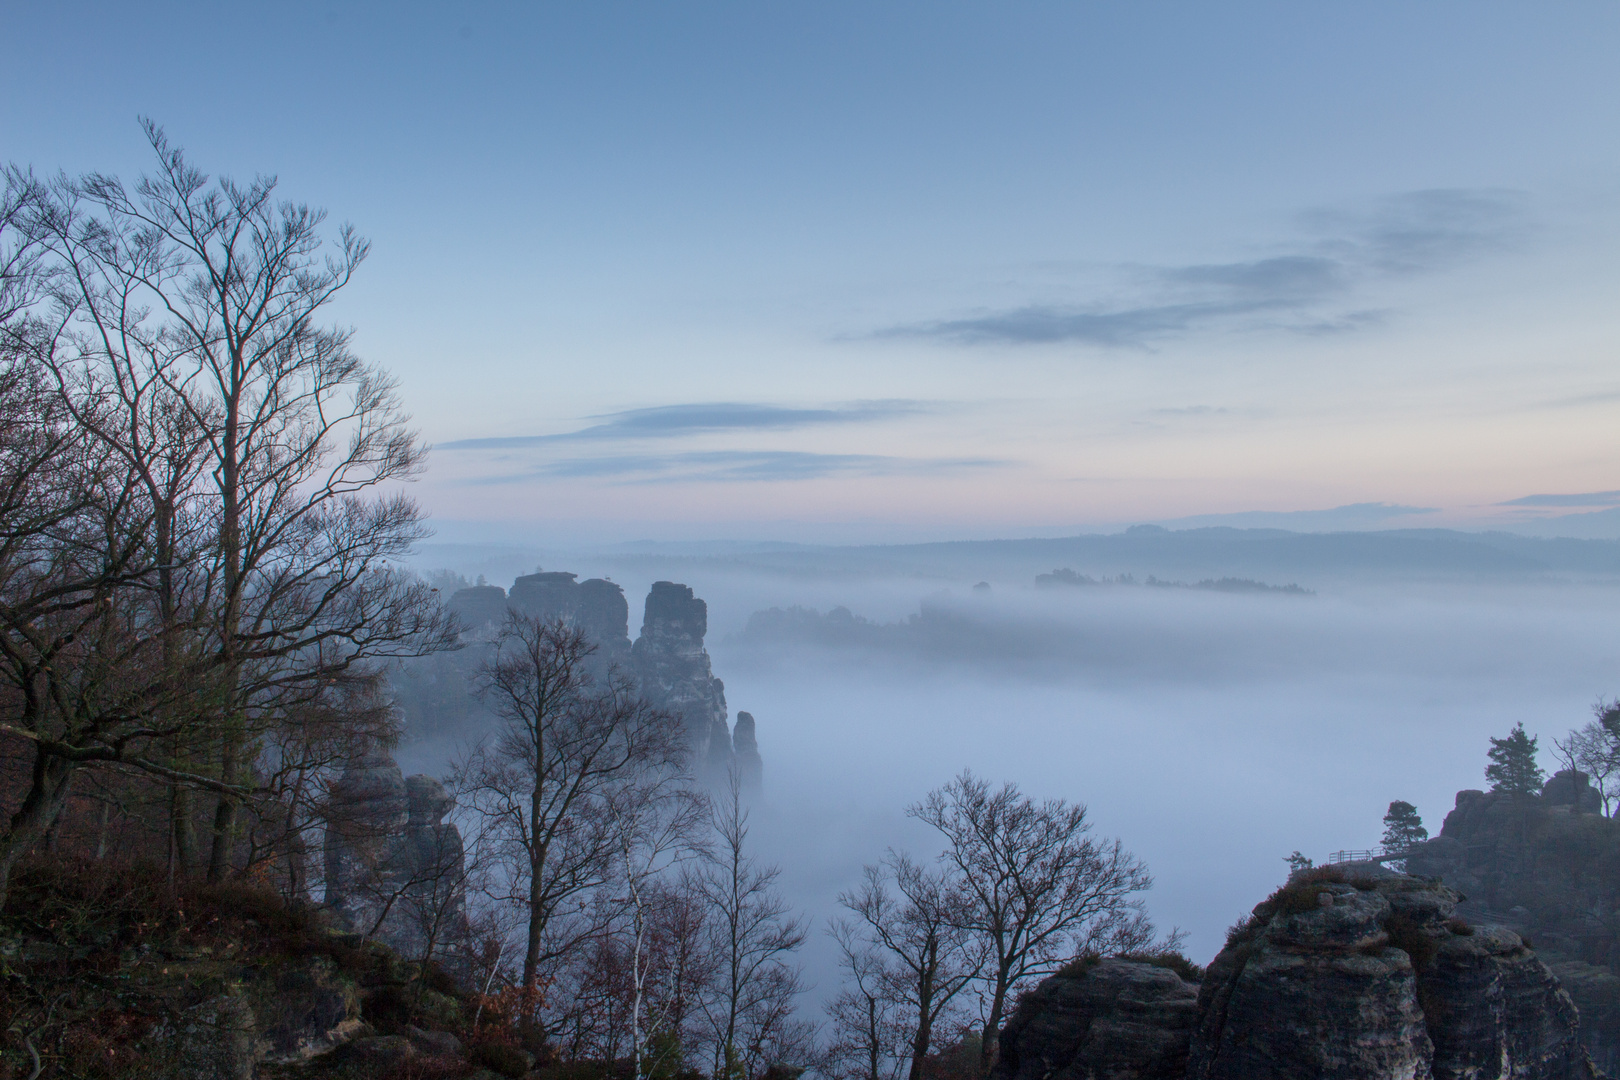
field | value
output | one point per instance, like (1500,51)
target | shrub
(1304,892)
(1174,961)
(1081,966)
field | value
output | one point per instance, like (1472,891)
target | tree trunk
(537,914)
(219,854)
(232,744)
(990,1049)
(183,830)
(874,1048)
(47,793)
(919,1042)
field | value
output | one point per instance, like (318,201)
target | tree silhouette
(1513,767)
(1402,827)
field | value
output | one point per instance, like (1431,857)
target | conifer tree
(1513,767)
(1403,827)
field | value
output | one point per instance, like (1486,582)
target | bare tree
(194,305)
(750,1010)
(922,934)
(1037,887)
(870,1037)
(1595,750)
(656,816)
(543,788)
(85,674)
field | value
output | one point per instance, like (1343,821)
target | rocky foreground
(1333,977)
(107,975)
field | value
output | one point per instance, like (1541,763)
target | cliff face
(479,606)
(1331,978)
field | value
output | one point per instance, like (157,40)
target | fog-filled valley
(1212,731)
(723,541)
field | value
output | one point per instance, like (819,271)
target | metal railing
(1364,855)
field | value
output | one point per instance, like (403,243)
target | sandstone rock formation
(596,605)
(1547,867)
(1119,1019)
(1332,978)
(1377,978)
(392,861)
(668,659)
(746,746)
(479,607)
(673,669)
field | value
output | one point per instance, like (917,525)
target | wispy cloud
(1044,325)
(1585,498)
(740,465)
(1296,291)
(1424,231)
(672,421)
(1194,410)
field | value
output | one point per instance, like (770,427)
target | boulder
(215,1040)
(304,1011)
(1572,790)
(435,1043)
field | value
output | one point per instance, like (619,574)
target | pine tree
(1403,827)
(1513,767)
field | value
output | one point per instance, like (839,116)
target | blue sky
(854,271)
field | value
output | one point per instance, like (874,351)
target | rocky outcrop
(596,605)
(392,861)
(750,767)
(1546,867)
(479,607)
(668,659)
(1119,1019)
(673,669)
(1364,979)
(1333,977)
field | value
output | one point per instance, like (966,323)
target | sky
(843,271)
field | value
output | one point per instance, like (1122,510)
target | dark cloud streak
(673,421)
(1587,498)
(1413,233)
(741,465)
